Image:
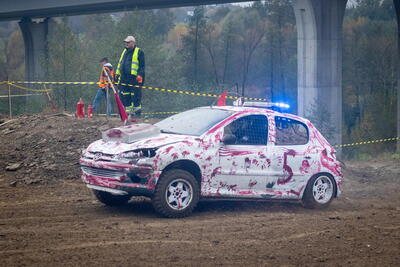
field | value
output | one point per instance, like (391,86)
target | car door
(242,158)
(293,158)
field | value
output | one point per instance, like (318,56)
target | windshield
(193,122)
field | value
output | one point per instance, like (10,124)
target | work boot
(136,112)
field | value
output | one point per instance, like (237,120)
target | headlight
(136,154)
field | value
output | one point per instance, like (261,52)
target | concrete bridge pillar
(35,39)
(319,51)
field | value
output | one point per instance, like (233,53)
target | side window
(248,130)
(290,132)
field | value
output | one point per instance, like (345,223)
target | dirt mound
(44,148)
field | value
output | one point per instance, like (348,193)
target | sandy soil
(49,218)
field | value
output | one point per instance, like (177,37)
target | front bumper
(106,189)
(119,178)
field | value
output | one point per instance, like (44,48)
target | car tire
(177,194)
(319,192)
(110,199)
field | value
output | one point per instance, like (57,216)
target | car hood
(159,140)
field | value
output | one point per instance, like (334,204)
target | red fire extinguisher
(90,111)
(80,109)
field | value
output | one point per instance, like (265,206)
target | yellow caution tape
(160,113)
(28,89)
(147,113)
(174,91)
(369,142)
(190,93)
(59,83)
(6,96)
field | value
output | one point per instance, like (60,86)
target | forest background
(249,50)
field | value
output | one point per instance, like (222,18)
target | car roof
(251,110)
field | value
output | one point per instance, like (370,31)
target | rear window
(290,132)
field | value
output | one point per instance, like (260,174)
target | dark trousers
(101,93)
(131,96)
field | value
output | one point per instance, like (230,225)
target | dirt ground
(49,218)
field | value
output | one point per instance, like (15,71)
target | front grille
(102,172)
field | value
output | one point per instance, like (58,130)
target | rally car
(229,152)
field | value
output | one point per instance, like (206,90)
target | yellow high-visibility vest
(135,62)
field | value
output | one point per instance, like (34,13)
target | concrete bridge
(319,27)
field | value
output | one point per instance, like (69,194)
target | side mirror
(229,139)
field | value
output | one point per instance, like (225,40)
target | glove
(116,78)
(139,79)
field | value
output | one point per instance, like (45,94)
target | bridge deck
(16,9)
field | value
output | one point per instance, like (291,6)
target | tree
(250,30)
(191,42)
(64,62)
(369,75)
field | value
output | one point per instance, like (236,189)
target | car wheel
(319,192)
(176,194)
(110,199)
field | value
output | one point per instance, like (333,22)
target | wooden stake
(9,100)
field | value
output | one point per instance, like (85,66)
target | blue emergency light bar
(270,105)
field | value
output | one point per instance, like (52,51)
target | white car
(214,152)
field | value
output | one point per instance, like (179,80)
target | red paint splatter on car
(215,172)
(252,183)
(297,193)
(155,140)
(245,192)
(305,166)
(188,143)
(247,163)
(168,149)
(225,152)
(232,187)
(330,163)
(114,133)
(286,167)
(269,162)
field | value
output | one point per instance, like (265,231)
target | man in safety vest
(104,86)
(130,72)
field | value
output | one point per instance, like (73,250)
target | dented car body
(214,152)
